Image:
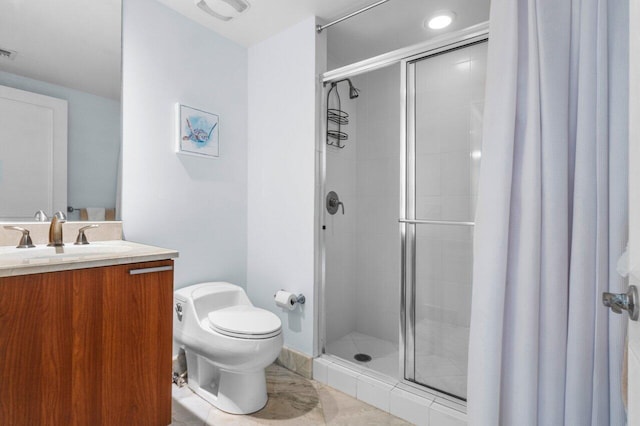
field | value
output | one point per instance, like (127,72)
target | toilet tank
(211,296)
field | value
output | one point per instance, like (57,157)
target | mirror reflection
(70,51)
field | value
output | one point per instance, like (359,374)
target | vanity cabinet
(87,346)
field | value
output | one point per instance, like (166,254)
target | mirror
(70,50)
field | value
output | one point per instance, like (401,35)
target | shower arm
(353,91)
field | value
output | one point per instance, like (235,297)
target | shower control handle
(619,302)
(333,203)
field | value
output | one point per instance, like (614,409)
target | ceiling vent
(225,10)
(7,54)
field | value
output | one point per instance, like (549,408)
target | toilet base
(230,391)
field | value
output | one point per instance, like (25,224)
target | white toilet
(228,343)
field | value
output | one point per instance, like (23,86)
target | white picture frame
(197,132)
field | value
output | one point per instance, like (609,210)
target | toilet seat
(245,322)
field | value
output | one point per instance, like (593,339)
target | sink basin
(44,254)
(73,250)
(40,259)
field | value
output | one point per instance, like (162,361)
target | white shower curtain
(552,216)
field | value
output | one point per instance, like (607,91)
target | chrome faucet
(25,240)
(55,232)
(41,216)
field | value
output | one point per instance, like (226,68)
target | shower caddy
(340,118)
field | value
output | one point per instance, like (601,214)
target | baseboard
(297,362)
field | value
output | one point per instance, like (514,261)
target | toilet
(228,343)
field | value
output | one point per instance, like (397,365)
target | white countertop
(41,259)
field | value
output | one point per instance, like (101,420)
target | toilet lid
(245,322)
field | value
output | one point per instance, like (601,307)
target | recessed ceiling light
(440,20)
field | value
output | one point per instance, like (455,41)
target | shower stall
(401,155)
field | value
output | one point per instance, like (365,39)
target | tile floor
(293,400)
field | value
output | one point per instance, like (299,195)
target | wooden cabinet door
(87,347)
(35,361)
(136,344)
(86,396)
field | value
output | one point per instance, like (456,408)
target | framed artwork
(198,132)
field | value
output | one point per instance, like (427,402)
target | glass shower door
(445,97)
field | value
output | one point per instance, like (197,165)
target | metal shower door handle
(619,302)
(333,202)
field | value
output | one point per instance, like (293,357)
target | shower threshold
(347,375)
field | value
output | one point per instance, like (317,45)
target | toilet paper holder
(300,299)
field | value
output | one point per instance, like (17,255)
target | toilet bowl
(228,343)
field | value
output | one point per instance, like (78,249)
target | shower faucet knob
(333,203)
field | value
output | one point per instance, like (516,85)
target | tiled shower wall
(340,234)
(362,246)
(378,202)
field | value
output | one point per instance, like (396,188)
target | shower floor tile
(440,359)
(384,354)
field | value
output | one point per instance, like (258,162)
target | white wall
(93,141)
(195,205)
(282,131)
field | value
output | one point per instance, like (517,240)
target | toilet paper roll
(285,299)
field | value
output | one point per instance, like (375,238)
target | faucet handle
(25,240)
(61,216)
(41,216)
(82,239)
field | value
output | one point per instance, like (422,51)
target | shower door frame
(408,220)
(469,36)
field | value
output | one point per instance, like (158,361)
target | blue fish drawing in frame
(199,136)
(198,132)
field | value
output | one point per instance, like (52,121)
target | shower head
(353,92)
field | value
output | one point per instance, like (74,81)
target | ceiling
(396,24)
(390,26)
(67,43)
(265,18)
